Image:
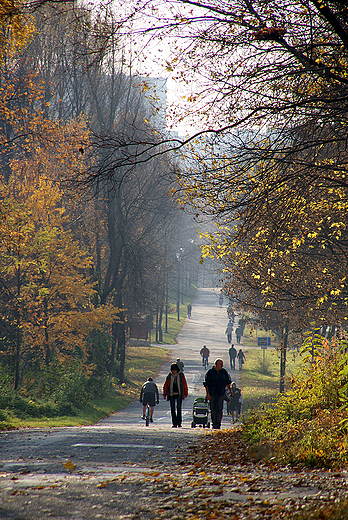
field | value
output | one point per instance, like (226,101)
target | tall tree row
(80,240)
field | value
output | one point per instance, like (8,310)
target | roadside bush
(72,389)
(264,366)
(99,386)
(307,424)
(6,390)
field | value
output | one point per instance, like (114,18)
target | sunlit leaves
(17,29)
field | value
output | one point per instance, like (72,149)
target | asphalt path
(68,461)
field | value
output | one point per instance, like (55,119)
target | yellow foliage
(16,29)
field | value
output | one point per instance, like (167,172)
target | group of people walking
(217,382)
(239,331)
(240,356)
(175,390)
(218,387)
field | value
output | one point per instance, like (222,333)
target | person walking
(235,403)
(180,365)
(232,353)
(215,383)
(189,310)
(241,358)
(229,331)
(175,390)
(205,353)
(239,333)
(149,395)
(231,313)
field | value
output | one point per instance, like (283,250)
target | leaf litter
(212,478)
(215,479)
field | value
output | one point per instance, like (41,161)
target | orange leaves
(69,466)
(16,31)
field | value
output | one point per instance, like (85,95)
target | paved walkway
(119,469)
(206,327)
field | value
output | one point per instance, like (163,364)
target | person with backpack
(205,353)
(175,390)
(241,358)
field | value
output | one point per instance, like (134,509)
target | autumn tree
(47,295)
(126,218)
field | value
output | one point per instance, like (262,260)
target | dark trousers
(233,363)
(176,410)
(216,406)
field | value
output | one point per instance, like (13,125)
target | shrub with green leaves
(307,424)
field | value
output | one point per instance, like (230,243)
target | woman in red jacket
(175,390)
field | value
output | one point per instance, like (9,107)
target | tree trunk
(160,333)
(18,330)
(121,348)
(156,339)
(119,337)
(283,357)
(112,360)
(47,347)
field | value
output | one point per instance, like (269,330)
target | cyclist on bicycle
(149,395)
(205,353)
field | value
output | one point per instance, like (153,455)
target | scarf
(172,379)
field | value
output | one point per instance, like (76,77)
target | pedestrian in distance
(232,353)
(180,365)
(175,390)
(235,404)
(149,395)
(228,331)
(241,358)
(230,313)
(205,353)
(189,310)
(241,324)
(215,383)
(239,333)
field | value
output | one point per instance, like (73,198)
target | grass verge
(259,379)
(174,325)
(142,361)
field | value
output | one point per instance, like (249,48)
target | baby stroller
(200,413)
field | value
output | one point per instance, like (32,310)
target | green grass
(174,326)
(260,376)
(142,361)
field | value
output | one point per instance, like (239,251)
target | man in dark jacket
(149,395)
(232,353)
(216,381)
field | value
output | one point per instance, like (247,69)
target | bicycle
(147,414)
